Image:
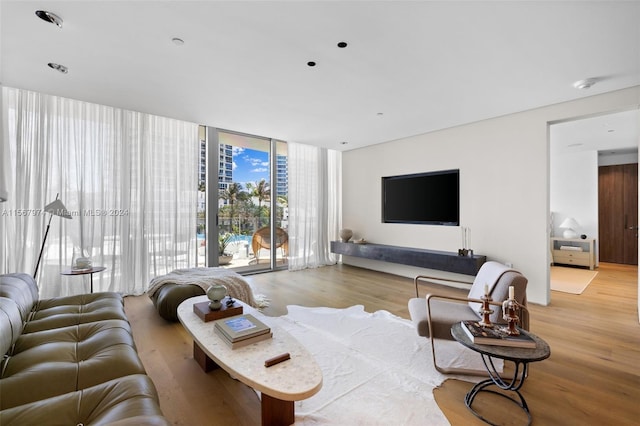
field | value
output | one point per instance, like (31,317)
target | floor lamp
(55,208)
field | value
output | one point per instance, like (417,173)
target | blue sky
(249,165)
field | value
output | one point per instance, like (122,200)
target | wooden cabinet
(577,252)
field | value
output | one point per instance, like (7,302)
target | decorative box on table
(206,314)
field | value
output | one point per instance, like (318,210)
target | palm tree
(262,191)
(231,195)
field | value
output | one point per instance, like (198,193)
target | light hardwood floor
(591,378)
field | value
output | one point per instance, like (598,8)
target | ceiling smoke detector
(584,84)
(49,17)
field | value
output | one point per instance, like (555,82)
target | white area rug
(376,369)
(571,280)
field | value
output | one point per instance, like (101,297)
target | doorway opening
(585,190)
(244,191)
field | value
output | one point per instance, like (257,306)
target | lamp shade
(569,225)
(56,208)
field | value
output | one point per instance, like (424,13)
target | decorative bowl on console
(345,235)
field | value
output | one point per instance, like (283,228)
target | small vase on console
(345,235)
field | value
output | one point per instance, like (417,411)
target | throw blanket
(236,285)
(376,370)
(489,274)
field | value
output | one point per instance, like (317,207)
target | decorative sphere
(216,293)
(346,234)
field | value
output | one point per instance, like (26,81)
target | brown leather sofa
(70,360)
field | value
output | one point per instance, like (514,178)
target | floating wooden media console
(430,259)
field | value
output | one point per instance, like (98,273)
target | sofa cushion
(81,334)
(22,289)
(130,400)
(66,360)
(446,312)
(10,324)
(106,298)
(73,310)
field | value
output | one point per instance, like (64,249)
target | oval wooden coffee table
(296,379)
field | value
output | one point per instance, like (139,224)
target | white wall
(574,191)
(504,182)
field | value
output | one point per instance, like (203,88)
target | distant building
(203,163)
(282,175)
(225,170)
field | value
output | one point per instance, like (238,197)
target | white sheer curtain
(315,205)
(4,161)
(128,179)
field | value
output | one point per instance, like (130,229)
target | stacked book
(242,330)
(495,336)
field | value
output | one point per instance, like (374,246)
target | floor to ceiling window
(126,181)
(242,206)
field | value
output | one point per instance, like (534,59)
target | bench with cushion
(169,290)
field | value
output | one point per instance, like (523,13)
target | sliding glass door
(245,185)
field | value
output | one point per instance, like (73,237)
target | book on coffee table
(241,327)
(243,342)
(495,336)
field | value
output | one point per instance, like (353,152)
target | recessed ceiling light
(342,44)
(584,84)
(311,64)
(58,67)
(49,17)
(177,41)
(380,113)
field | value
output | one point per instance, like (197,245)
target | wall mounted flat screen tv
(431,198)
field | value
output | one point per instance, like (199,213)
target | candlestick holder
(485,311)
(509,307)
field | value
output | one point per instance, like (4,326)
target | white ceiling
(425,65)
(614,133)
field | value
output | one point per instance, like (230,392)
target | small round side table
(521,357)
(90,271)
